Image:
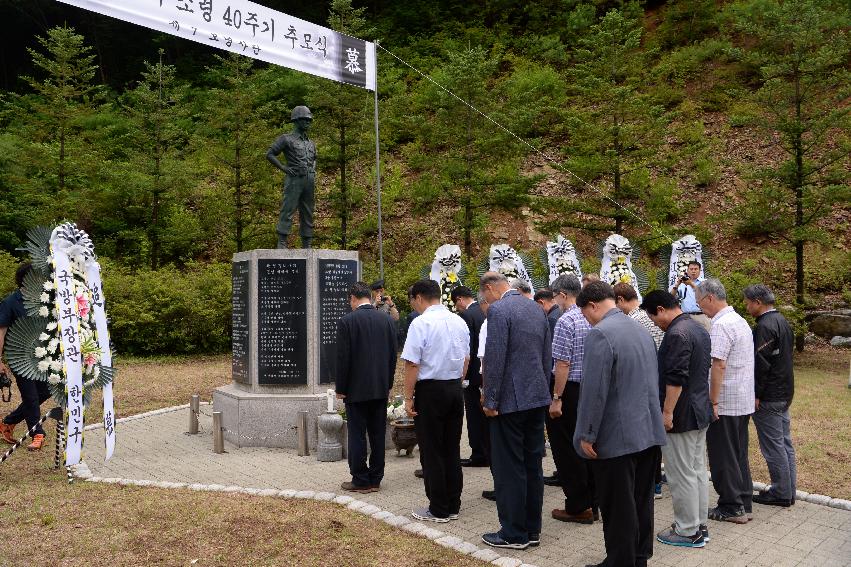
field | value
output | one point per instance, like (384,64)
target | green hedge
(169,311)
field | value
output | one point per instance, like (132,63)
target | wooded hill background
(727,120)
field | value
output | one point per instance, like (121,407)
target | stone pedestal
(286,304)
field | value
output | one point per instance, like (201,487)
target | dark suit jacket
(518,355)
(366,355)
(474,318)
(553,315)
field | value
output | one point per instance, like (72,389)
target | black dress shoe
(552,480)
(770,501)
(472,463)
(418,473)
(489,495)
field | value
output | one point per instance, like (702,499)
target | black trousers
(517,447)
(440,416)
(727,448)
(33,394)
(574,472)
(366,419)
(625,489)
(477,425)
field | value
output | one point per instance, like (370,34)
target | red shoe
(37,444)
(7,432)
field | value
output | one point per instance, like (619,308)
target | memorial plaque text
(282,322)
(240,322)
(335,279)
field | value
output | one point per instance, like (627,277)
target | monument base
(264,419)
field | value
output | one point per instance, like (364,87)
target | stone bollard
(194,408)
(330,433)
(218,434)
(301,434)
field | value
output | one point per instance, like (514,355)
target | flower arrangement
(396,410)
(35,343)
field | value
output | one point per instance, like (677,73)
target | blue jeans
(775,442)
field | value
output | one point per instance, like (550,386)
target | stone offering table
(286,304)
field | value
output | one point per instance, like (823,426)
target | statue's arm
(272,154)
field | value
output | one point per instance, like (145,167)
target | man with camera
(686,290)
(383,302)
(33,392)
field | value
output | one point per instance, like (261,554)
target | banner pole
(378,174)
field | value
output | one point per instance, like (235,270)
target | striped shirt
(569,341)
(732,341)
(640,315)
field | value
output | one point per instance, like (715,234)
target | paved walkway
(155,448)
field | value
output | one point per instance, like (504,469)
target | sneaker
(657,491)
(495,540)
(671,537)
(705,531)
(534,540)
(453,516)
(721,515)
(7,432)
(38,442)
(586,517)
(767,500)
(424,514)
(352,487)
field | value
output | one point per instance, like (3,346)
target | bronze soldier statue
(299,183)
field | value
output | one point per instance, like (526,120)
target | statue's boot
(282,242)
(306,241)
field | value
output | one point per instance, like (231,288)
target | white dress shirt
(438,342)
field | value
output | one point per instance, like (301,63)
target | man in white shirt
(436,354)
(731,392)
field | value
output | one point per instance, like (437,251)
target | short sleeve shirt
(438,341)
(641,316)
(12,309)
(300,152)
(569,341)
(483,339)
(732,342)
(688,301)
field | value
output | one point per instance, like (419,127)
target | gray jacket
(619,409)
(518,355)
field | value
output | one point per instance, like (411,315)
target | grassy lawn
(821,425)
(94,524)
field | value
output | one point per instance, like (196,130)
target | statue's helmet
(301,112)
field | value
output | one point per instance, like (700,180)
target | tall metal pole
(378,175)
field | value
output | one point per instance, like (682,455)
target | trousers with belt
(298,194)
(440,417)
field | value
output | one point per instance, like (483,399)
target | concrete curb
(83,472)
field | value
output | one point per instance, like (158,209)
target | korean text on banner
(93,280)
(69,330)
(254,31)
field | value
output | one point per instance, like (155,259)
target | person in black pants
(436,355)
(477,430)
(619,424)
(366,364)
(33,392)
(518,363)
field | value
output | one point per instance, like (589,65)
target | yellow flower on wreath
(452,277)
(626,279)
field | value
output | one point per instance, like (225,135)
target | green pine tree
(801,50)
(615,129)
(462,159)
(65,95)
(344,113)
(158,111)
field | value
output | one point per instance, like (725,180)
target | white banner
(686,249)
(69,331)
(562,259)
(252,30)
(505,260)
(96,288)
